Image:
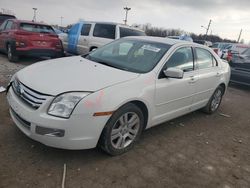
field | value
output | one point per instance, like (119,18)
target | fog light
(50,132)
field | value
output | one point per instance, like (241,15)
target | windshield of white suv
(131,55)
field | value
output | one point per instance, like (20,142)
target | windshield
(130,55)
(37,28)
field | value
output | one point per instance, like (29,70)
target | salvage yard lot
(196,150)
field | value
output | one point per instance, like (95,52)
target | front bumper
(80,131)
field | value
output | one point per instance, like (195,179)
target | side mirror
(173,73)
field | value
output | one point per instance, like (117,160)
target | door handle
(192,79)
(218,74)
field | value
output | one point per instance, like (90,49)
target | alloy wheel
(216,100)
(125,130)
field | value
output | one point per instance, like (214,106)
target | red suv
(19,38)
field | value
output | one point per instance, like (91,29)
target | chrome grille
(33,98)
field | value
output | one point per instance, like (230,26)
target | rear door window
(36,28)
(104,31)
(204,59)
(85,29)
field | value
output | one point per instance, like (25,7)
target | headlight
(63,105)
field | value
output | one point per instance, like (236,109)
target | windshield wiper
(87,56)
(107,64)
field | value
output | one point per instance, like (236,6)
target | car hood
(71,74)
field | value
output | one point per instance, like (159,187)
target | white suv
(83,37)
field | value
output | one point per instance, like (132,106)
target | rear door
(208,77)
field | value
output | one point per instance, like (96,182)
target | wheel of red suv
(214,102)
(10,53)
(122,130)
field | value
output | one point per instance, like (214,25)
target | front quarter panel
(112,98)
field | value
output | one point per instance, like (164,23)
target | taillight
(59,45)
(216,50)
(229,56)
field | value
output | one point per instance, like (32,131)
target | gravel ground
(196,150)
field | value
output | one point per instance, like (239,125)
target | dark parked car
(19,38)
(240,68)
(4,17)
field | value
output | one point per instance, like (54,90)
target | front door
(83,41)
(73,37)
(173,96)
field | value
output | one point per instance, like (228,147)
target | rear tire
(215,101)
(12,57)
(122,130)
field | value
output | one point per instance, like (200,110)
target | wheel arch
(92,47)
(143,108)
(223,85)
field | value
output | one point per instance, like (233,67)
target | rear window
(5,17)
(124,32)
(36,28)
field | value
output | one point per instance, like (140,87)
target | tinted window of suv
(204,59)
(124,32)
(104,31)
(85,29)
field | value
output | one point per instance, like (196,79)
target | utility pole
(61,20)
(126,15)
(239,36)
(34,16)
(208,27)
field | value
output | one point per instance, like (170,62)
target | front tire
(215,101)
(11,55)
(122,130)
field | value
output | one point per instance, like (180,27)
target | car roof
(28,22)
(7,15)
(168,41)
(114,23)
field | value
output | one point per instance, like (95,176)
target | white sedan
(111,95)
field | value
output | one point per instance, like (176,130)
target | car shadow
(239,86)
(25,60)
(96,154)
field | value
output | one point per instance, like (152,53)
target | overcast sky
(228,16)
